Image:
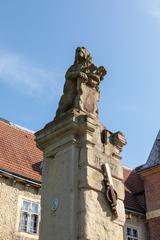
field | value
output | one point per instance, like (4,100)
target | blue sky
(37,44)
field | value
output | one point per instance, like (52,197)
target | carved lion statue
(84,70)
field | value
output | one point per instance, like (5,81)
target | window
(29,218)
(131,233)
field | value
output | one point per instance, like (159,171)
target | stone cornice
(153,214)
(74,123)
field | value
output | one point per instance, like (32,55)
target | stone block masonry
(77,204)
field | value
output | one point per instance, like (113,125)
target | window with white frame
(29,218)
(131,233)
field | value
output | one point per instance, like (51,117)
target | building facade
(20,186)
(20,183)
(150,172)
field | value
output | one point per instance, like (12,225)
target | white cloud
(150,7)
(19,73)
(154,9)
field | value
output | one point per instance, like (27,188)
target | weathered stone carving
(118,139)
(75,145)
(81,89)
(111,194)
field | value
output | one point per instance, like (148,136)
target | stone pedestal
(74,206)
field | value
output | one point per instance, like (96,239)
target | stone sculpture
(81,89)
(79,153)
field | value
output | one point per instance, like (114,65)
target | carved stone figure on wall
(81,89)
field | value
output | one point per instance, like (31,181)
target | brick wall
(152,194)
(152,191)
(154,228)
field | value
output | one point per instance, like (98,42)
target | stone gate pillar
(82,189)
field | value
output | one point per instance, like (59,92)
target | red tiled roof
(134,191)
(18,152)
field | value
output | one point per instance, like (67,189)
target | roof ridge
(154,156)
(127,168)
(23,129)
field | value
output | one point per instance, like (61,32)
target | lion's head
(82,56)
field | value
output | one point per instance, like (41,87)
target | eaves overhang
(17,177)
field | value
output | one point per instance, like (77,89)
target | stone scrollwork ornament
(81,89)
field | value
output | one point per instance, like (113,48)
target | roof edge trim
(20,178)
(134,211)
